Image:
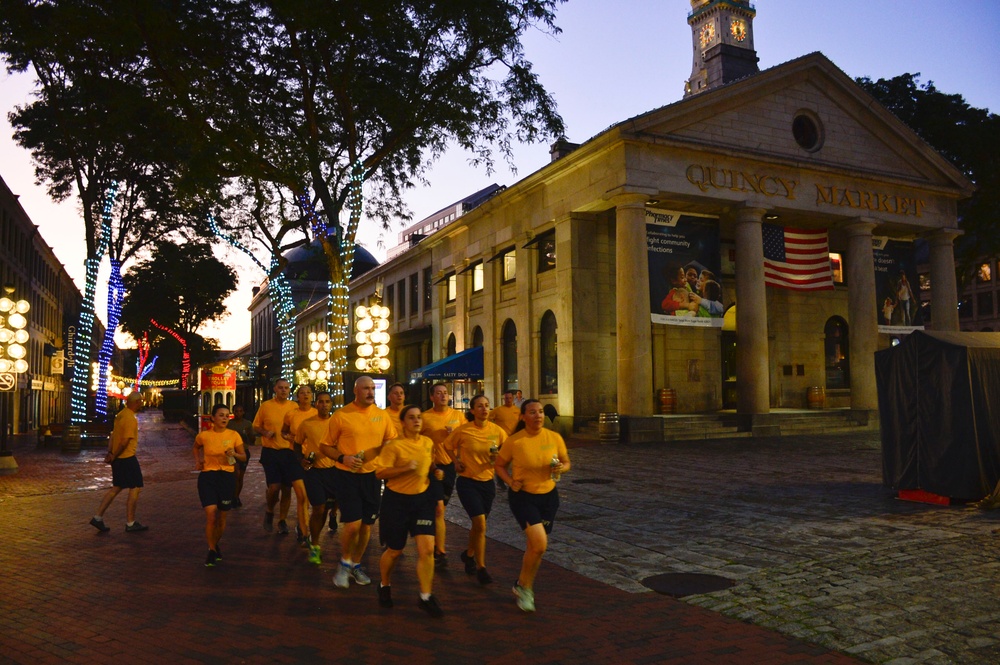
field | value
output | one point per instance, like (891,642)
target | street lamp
(13,361)
(372,338)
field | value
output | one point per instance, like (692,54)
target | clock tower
(722,33)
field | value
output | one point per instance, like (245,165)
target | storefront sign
(36,384)
(710,177)
(897,301)
(683,255)
(869,200)
(58,363)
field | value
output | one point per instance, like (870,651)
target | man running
(125,470)
(438,422)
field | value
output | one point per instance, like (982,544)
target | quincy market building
(566,278)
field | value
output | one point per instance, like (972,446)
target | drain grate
(592,481)
(679,585)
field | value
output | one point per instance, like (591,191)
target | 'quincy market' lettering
(876,201)
(707,177)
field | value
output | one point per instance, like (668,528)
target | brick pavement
(73,595)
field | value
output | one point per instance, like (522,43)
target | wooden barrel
(607,428)
(816,397)
(71,439)
(668,400)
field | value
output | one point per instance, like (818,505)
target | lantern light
(361,364)
(21,336)
(361,312)
(20,366)
(22,306)
(17,321)
(6,304)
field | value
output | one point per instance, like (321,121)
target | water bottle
(494,449)
(555,463)
(230,459)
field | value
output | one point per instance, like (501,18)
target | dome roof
(308,262)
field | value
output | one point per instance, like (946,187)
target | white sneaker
(360,576)
(342,578)
(525,598)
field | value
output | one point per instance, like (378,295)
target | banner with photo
(897,296)
(685,288)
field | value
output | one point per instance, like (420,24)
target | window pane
(477,277)
(414,294)
(547,252)
(509,266)
(452,287)
(985,272)
(549,360)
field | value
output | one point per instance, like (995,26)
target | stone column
(635,374)
(862,314)
(752,376)
(944,287)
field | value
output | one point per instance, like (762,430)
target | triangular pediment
(753,118)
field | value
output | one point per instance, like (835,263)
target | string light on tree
(372,338)
(185,356)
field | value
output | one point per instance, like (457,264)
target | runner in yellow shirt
(289,430)
(354,439)
(216,452)
(440,421)
(506,415)
(475,446)
(280,465)
(538,458)
(407,507)
(396,397)
(319,480)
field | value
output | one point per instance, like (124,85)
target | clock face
(738,28)
(707,34)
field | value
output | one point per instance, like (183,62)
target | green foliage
(970,138)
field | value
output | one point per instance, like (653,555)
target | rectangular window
(390,297)
(985,273)
(414,294)
(509,265)
(401,292)
(984,305)
(837,266)
(452,284)
(428,291)
(477,277)
(546,245)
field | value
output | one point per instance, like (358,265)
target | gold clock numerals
(738,29)
(707,34)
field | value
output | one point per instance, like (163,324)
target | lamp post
(13,354)
(372,338)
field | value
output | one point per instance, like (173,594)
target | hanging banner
(897,298)
(683,254)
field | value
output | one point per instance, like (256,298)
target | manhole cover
(679,585)
(593,481)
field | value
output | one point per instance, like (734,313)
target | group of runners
(337,461)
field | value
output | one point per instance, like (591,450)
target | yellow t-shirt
(400,452)
(434,424)
(310,434)
(353,429)
(506,417)
(125,433)
(471,444)
(295,418)
(532,458)
(271,416)
(394,417)
(214,445)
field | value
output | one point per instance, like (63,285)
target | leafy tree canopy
(970,138)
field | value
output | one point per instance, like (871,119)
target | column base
(758,424)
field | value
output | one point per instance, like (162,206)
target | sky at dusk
(612,61)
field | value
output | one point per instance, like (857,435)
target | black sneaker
(431,607)
(440,560)
(470,563)
(218,552)
(333,521)
(237,503)
(268,522)
(136,526)
(384,596)
(211,559)
(282,527)
(99,525)
(484,577)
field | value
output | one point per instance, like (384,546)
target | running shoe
(211,559)
(440,560)
(218,552)
(384,596)
(314,555)
(360,576)
(282,527)
(431,607)
(99,525)
(525,598)
(136,526)
(470,563)
(268,522)
(342,578)
(484,577)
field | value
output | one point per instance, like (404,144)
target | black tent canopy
(939,406)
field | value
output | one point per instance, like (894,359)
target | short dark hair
(406,409)
(220,405)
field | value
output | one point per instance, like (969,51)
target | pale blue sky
(617,59)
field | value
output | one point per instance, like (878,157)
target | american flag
(797,259)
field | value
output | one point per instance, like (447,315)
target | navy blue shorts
(405,514)
(125,473)
(442,489)
(280,466)
(358,496)
(243,465)
(476,495)
(217,488)
(320,487)
(530,509)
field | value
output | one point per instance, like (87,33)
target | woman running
(474,446)
(537,457)
(216,452)
(407,507)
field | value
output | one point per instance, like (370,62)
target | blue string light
(116,294)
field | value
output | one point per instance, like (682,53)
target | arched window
(548,359)
(837,353)
(477,337)
(451,344)
(509,354)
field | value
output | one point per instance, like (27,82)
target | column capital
(940,237)
(749,213)
(861,226)
(630,197)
